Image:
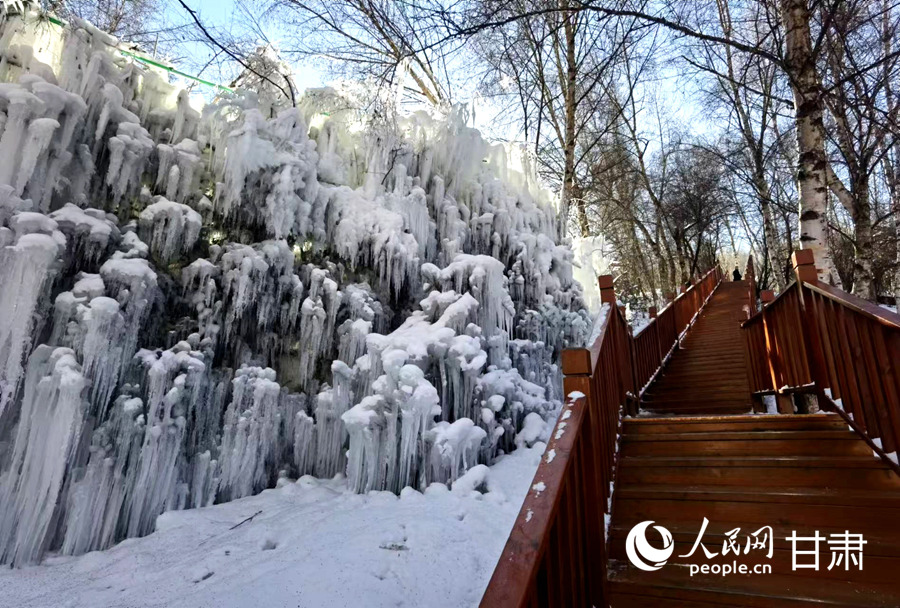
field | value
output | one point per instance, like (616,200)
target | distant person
(736,275)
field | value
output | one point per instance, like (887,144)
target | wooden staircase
(657,431)
(802,473)
(708,374)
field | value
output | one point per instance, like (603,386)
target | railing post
(804,264)
(607,293)
(766,296)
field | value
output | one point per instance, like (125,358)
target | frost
(532,430)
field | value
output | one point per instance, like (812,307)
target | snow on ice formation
(195,303)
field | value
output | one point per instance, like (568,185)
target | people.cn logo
(642,554)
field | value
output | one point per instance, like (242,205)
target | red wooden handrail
(556,552)
(848,349)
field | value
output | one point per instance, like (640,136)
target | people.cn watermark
(846,550)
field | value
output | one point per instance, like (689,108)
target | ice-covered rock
(389,290)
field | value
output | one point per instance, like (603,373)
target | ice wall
(194,304)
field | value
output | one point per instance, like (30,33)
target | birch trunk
(863,275)
(570,108)
(773,249)
(808,106)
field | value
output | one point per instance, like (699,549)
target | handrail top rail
(758,315)
(541,502)
(672,303)
(856,304)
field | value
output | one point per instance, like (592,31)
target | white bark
(811,169)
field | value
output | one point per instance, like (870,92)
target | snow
(313,543)
(599,322)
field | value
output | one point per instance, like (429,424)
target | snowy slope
(313,544)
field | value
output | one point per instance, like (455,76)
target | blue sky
(221,14)
(678,96)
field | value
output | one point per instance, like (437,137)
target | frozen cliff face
(196,303)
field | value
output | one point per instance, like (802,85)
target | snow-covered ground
(313,543)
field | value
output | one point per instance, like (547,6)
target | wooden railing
(556,552)
(654,343)
(842,348)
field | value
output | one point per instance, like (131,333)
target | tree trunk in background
(896,209)
(892,174)
(863,276)
(577,199)
(571,106)
(811,162)
(773,250)
(683,264)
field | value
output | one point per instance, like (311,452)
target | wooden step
(674,582)
(740,475)
(743,435)
(879,543)
(692,408)
(803,495)
(730,423)
(879,569)
(851,517)
(776,443)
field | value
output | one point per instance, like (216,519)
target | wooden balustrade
(556,552)
(847,349)
(774,340)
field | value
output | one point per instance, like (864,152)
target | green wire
(145,60)
(174,71)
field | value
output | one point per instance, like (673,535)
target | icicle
(45,443)
(250,435)
(454,449)
(39,133)
(171,229)
(27,265)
